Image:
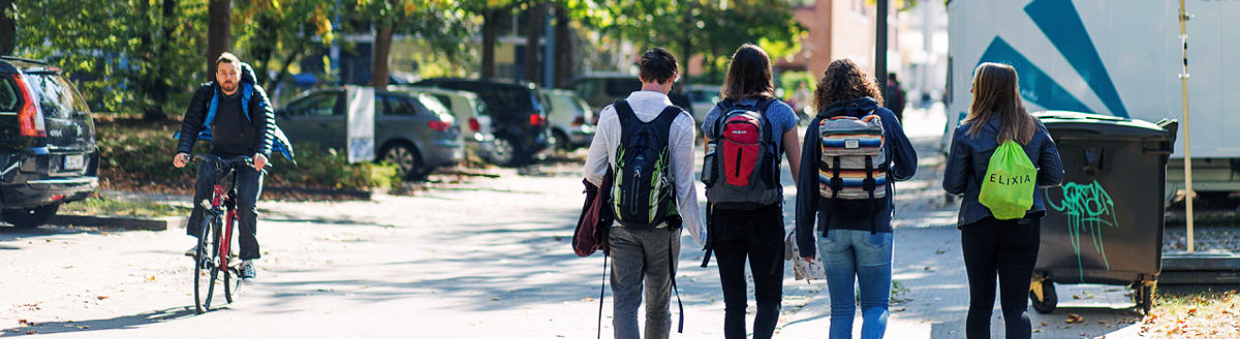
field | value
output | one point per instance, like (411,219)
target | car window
(445,100)
(621,87)
(8,95)
(431,104)
(321,105)
(394,105)
(56,97)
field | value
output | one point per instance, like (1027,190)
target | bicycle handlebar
(226,163)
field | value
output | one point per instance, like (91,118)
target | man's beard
(229,86)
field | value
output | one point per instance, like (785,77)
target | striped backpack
(852,176)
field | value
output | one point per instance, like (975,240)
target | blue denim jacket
(970,155)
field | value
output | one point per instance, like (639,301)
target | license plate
(73,162)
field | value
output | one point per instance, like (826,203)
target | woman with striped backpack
(854,150)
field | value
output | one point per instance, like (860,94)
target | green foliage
(141,154)
(125,55)
(788,81)
(331,170)
(107,206)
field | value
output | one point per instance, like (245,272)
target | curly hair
(845,80)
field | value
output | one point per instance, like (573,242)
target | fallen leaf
(23,321)
(1074,318)
(84,327)
(32,332)
(494,298)
(101,297)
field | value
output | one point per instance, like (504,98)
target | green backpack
(1007,189)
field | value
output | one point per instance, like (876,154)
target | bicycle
(215,252)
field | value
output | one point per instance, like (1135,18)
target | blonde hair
(996,95)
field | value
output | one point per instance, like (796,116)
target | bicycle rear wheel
(206,268)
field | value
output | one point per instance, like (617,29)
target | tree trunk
(219,34)
(534,26)
(379,62)
(8,27)
(490,36)
(564,61)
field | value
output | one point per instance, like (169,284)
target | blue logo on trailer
(1062,25)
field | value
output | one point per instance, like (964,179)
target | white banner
(361,123)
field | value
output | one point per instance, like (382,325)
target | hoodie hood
(856,108)
(247,74)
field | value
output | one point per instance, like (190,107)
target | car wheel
(407,160)
(506,152)
(561,140)
(30,217)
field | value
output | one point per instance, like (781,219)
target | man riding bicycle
(235,116)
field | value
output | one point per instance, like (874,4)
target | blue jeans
(852,256)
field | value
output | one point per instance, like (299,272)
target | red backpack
(743,152)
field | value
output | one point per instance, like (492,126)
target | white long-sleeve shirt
(647,105)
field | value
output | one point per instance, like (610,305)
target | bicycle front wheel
(232,274)
(206,268)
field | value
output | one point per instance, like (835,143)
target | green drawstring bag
(1007,189)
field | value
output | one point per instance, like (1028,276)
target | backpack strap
(671,270)
(710,234)
(624,111)
(602,292)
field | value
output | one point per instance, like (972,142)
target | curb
(129,223)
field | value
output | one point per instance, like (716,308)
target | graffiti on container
(1089,209)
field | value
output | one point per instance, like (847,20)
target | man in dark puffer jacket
(235,116)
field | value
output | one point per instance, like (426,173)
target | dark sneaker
(192,251)
(247,271)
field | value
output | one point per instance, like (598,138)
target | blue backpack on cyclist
(279,142)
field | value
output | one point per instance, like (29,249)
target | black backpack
(643,194)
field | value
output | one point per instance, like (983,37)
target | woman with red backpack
(854,150)
(746,135)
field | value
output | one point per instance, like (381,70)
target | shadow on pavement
(121,322)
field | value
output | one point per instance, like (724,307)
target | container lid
(1089,123)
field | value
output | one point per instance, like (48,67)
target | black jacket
(261,117)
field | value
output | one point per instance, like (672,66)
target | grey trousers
(649,257)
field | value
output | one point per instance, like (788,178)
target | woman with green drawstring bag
(999,156)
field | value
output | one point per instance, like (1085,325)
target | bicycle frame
(224,199)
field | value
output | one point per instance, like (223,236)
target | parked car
(413,131)
(471,115)
(571,119)
(48,155)
(702,98)
(602,89)
(518,117)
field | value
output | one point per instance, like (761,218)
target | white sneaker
(192,251)
(247,271)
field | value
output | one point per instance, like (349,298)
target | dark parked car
(603,88)
(48,155)
(413,131)
(518,117)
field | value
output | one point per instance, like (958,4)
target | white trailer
(1114,57)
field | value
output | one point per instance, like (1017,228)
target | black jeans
(758,234)
(1009,249)
(249,187)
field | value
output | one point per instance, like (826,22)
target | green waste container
(1104,225)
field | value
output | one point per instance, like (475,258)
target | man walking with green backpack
(648,145)
(998,155)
